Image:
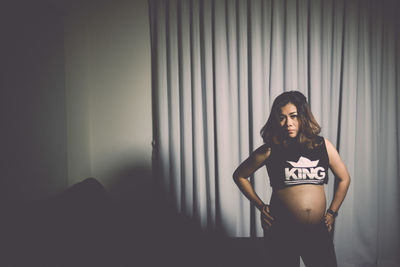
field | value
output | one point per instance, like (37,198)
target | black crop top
(296,164)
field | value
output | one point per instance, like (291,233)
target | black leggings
(287,242)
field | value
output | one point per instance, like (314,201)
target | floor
(83,227)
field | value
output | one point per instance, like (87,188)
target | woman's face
(289,120)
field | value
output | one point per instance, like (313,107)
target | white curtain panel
(218,65)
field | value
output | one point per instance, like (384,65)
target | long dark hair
(273,133)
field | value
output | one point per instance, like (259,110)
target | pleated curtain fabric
(218,65)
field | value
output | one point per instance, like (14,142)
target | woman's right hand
(266,217)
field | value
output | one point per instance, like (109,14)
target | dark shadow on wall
(131,225)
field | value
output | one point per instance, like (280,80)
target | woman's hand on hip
(329,221)
(266,217)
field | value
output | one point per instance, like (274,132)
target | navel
(308,211)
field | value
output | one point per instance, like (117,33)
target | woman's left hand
(329,221)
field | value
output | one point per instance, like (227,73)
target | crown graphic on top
(304,163)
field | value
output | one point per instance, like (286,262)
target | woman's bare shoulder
(262,153)
(256,159)
(328,144)
(332,152)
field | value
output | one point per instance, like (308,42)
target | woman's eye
(293,116)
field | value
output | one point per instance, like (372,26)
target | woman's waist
(303,203)
(305,193)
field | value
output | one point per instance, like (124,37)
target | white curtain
(218,65)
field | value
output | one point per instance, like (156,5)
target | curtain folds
(218,65)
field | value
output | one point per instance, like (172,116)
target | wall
(33,119)
(108,83)
(75,96)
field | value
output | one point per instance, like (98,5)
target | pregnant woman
(295,222)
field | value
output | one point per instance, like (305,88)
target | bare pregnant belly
(301,203)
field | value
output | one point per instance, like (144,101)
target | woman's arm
(340,171)
(246,169)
